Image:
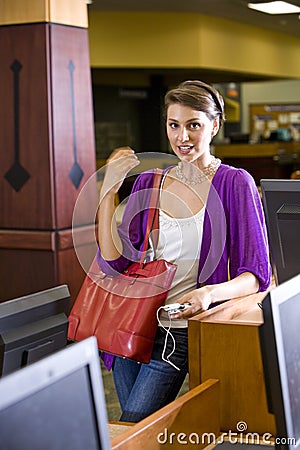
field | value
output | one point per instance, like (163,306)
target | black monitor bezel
(20,310)
(274,362)
(37,376)
(276,185)
(27,319)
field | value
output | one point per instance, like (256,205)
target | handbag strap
(153,213)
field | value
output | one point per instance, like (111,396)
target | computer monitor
(281,201)
(280,350)
(56,403)
(33,326)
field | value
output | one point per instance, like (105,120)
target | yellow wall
(189,40)
(244,48)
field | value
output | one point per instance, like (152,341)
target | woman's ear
(215,128)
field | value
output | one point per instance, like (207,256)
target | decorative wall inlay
(76,173)
(17,175)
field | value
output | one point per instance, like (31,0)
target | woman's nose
(183,135)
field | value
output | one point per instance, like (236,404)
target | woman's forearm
(120,162)
(244,284)
(200,299)
(108,238)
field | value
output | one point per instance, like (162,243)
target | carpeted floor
(112,402)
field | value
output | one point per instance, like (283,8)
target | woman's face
(189,132)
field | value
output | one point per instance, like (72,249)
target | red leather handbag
(121,310)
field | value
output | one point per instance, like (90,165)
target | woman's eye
(195,125)
(173,125)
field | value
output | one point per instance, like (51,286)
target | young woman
(211,225)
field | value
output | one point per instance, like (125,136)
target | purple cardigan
(234,232)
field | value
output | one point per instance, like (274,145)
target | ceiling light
(275,7)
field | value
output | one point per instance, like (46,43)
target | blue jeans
(144,388)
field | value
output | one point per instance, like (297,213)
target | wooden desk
(264,150)
(224,344)
(194,414)
(266,160)
(117,428)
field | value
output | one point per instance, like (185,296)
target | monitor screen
(33,326)
(281,200)
(56,403)
(280,349)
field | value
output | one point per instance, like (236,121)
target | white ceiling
(230,9)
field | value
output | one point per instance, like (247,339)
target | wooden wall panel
(26,271)
(73,130)
(46,118)
(70,271)
(47,155)
(37,263)
(25,185)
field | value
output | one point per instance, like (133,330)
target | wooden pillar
(47,149)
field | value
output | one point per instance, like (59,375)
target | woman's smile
(185,149)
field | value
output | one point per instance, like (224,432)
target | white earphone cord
(168,333)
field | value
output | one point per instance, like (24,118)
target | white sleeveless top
(179,242)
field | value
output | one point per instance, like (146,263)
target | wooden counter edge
(149,428)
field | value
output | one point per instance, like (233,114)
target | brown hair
(198,96)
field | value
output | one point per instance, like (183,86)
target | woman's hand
(120,162)
(199,299)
